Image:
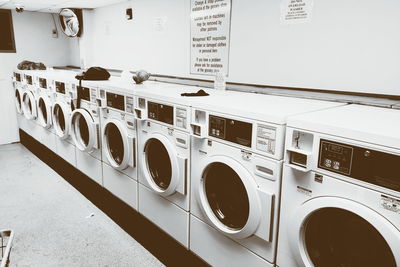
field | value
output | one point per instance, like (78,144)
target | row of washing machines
(240,179)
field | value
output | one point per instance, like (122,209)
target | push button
(336,165)
(328,163)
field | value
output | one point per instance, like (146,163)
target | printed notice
(210,28)
(296,11)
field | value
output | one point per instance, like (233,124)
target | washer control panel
(28,79)
(160,112)
(17,76)
(115,101)
(84,93)
(361,163)
(43,83)
(60,87)
(335,157)
(235,131)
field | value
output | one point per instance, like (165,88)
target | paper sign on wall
(210,34)
(296,11)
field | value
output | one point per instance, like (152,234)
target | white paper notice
(296,11)
(210,28)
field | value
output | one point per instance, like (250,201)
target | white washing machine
(85,132)
(164,158)
(45,101)
(65,94)
(237,155)
(341,189)
(29,104)
(19,89)
(118,134)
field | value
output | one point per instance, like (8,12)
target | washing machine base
(66,151)
(219,250)
(166,215)
(120,185)
(90,166)
(48,139)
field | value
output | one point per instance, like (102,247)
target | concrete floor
(54,224)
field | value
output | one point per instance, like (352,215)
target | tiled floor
(54,224)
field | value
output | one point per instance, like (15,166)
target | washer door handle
(132,158)
(265,228)
(181,187)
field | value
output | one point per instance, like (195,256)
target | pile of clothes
(29,65)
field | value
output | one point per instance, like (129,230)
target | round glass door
(337,237)
(42,111)
(115,143)
(158,163)
(18,101)
(27,106)
(226,195)
(84,130)
(60,122)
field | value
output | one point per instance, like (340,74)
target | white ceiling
(54,6)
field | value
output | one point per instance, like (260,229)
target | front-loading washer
(45,101)
(85,132)
(65,93)
(237,156)
(29,104)
(19,89)
(164,158)
(118,135)
(341,189)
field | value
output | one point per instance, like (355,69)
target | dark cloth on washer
(201,92)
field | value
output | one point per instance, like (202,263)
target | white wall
(112,41)
(348,46)
(34,41)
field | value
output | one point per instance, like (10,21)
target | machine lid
(266,108)
(358,122)
(84,130)
(337,237)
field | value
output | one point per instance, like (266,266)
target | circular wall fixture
(71,21)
